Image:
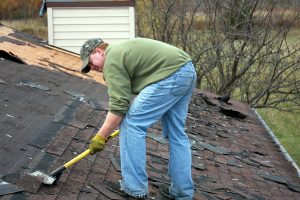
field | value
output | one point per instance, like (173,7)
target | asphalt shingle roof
(233,155)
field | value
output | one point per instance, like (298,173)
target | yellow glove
(97,144)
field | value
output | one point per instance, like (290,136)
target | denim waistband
(188,66)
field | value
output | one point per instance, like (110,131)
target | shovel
(54,176)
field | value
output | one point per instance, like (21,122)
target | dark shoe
(164,190)
(115,187)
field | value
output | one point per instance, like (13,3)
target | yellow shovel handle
(114,134)
(87,152)
(77,158)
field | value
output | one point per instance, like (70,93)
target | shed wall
(69,28)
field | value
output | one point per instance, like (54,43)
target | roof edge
(277,142)
(60,49)
(130,3)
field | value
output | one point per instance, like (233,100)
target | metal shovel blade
(48,180)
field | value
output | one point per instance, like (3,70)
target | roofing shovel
(54,176)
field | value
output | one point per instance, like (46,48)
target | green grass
(286,127)
(36,26)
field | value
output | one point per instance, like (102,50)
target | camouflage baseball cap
(86,50)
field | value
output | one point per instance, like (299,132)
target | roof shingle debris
(11,56)
(223,167)
(233,155)
(236,151)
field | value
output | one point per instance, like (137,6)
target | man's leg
(148,107)
(180,152)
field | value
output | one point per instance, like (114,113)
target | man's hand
(97,144)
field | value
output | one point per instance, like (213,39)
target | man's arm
(111,123)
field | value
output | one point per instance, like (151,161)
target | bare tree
(240,47)
(170,21)
(251,56)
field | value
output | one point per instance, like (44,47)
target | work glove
(97,144)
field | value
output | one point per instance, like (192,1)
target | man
(163,78)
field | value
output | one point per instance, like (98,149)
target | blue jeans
(167,100)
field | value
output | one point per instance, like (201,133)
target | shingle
(8,188)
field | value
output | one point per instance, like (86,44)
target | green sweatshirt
(136,63)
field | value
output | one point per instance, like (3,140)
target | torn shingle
(157,180)
(242,154)
(197,147)
(208,100)
(195,137)
(35,85)
(157,157)
(11,56)
(280,179)
(225,98)
(30,183)
(12,40)
(77,95)
(233,163)
(277,179)
(157,138)
(259,152)
(248,162)
(66,115)
(156,169)
(7,188)
(220,160)
(222,134)
(216,150)
(203,179)
(199,165)
(232,112)
(293,187)
(197,153)
(260,162)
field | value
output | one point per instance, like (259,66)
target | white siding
(131,22)
(90,20)
(69,28)
(50,25)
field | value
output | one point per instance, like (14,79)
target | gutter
(282,149)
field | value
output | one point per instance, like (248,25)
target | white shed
(72,22)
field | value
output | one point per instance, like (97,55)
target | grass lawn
(36,27)
(286,127)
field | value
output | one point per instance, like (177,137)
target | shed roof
(49,112)
(89,3)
